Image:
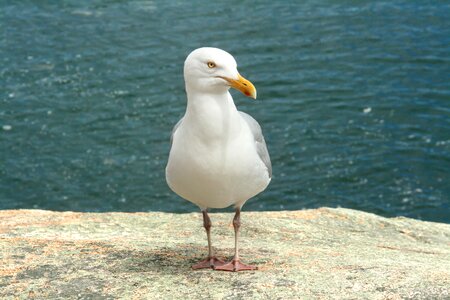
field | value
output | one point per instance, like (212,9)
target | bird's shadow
(160,260)
(166,260)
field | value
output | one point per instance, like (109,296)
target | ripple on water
(355,114)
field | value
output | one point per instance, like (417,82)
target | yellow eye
(211,64)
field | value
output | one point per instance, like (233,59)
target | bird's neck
(212,116)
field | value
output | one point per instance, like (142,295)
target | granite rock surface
(310,254)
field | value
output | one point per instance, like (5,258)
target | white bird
(218,155)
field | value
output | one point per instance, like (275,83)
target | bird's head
(212,70)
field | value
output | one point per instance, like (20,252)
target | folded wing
(261,146)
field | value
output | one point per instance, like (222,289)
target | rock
(323,253)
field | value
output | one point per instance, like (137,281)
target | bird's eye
(211,64)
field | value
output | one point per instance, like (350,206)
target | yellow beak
(241,84)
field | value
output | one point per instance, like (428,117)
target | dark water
(354,99)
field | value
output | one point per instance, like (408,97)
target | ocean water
(354,101)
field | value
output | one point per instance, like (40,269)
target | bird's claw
(235,266)
(209,263)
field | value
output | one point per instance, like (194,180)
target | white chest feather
(213,160)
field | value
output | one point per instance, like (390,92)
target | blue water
(354,101)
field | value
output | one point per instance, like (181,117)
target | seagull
(218,155)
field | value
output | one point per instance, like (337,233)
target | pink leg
(211,261)
(235,265)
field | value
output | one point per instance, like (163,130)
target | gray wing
(261,146)
(175,129)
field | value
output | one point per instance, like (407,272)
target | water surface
(354,100)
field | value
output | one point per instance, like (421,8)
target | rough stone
(323,253)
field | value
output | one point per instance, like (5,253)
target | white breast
(216,172)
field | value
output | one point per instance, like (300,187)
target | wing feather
(261,146)
(175,129)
